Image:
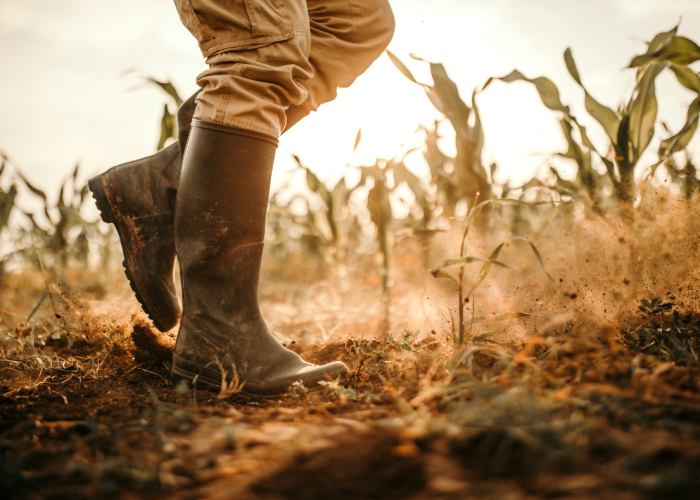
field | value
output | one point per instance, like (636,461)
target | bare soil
(577,410)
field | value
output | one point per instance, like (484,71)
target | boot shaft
(220,231)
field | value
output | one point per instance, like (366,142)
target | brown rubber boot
(219,232)
(139,199)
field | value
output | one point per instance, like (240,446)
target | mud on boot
(219,233)
(139,199)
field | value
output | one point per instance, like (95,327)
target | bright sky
(66,93)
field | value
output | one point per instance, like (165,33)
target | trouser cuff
(236,130)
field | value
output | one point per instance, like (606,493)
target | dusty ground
(578,409)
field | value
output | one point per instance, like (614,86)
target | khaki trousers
(274,60)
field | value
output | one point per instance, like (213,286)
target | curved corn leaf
(679,50)
(574,152)
(454,107)
(468,260)
(434,98)
(488,264)
(603,114)
(401,67)
(655,47)
(508,315)
(36,191)
(169,89)
(486,268)
(438,273)
(679,141)
(609,166)
(661,41)
(549,93)
(538,256)
(687,77)
(682,51)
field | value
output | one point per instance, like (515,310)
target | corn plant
(470,175)
(488,264)
(64,236)
(168,123)
(630,128)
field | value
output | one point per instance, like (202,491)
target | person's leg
(346,37)
(222,202)
(139,199)
(219,235)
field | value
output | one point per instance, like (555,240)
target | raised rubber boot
(139,199)
(219,233)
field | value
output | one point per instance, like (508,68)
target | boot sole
(207,383)
(135,272)
(202,385)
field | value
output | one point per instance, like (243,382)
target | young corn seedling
(486,267)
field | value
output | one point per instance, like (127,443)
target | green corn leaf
(568,186)
(680,141)
(622,150)
(654,48)
(506,316)
(167,127)
(574,152)
(603,115)
(687,77)
(682,51)
(609,166)
(661,41)
(169,89)
(679,50)
(401,67)
(642,115)
(60,203)
(83,193)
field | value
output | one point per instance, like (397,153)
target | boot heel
(98,193)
